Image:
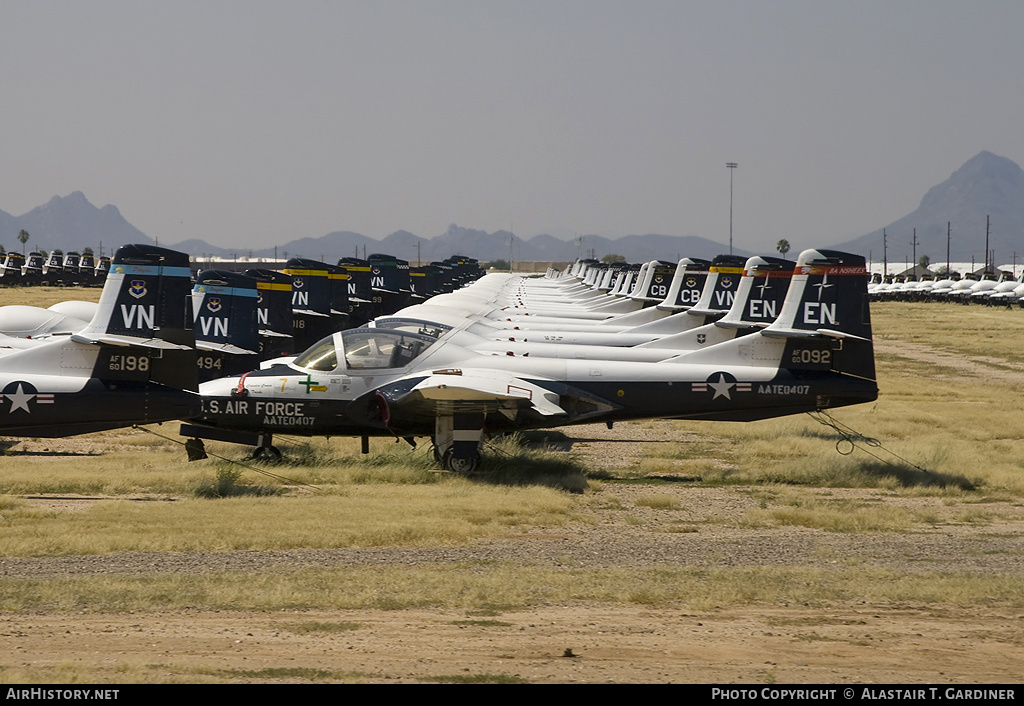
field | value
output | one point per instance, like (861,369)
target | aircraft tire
(461,466)
(266,453)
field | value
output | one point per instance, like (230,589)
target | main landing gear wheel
(266,453)
(461,466)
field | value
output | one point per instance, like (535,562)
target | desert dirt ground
(889,644)
(855,642)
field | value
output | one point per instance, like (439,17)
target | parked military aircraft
(378,381)
(133,363)
(33,322)
(758,298)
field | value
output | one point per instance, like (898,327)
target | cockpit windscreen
(420,326)
(382,348)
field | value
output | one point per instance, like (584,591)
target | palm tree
(23,238)
(782,246)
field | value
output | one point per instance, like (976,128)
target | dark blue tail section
(227,338)
(143,322)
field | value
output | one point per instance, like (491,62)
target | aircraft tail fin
(143,322)
(761,293)
(144,300)
(274,312)
(826,317)
(226,323)
(224,307)
(824,324)
(759,298)
(719,289)
(313,287)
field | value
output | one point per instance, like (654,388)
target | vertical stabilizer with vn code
(134,363)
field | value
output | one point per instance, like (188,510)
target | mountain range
(986,189)
(70,223)
(986,186)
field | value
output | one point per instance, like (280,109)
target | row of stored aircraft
(995,289)
(728,339)
(57,268)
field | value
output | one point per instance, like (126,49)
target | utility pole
(914,243)
(885,253)
(731,167)
(949,230)
(987,222)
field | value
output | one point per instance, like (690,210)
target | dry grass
(963,432)
(73,673)
(325,494)
(502,587)
(47,296)
(948,434)
(972,332)
(658,502)
(454,511)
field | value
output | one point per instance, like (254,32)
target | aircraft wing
(482,386)
(419,399)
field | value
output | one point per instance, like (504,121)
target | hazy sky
(257,122)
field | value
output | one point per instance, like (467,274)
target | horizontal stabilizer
(804,333)
(224,348)
(112,340)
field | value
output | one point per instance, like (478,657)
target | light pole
(731,166)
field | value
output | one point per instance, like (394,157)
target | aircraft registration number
(810,358)
(129,363)
(812,355)
(208,362)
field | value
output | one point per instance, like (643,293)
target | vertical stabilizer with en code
(827,309)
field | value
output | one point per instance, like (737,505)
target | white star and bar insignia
(20,397)
(723,386)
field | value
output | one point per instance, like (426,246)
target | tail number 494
(208,362)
